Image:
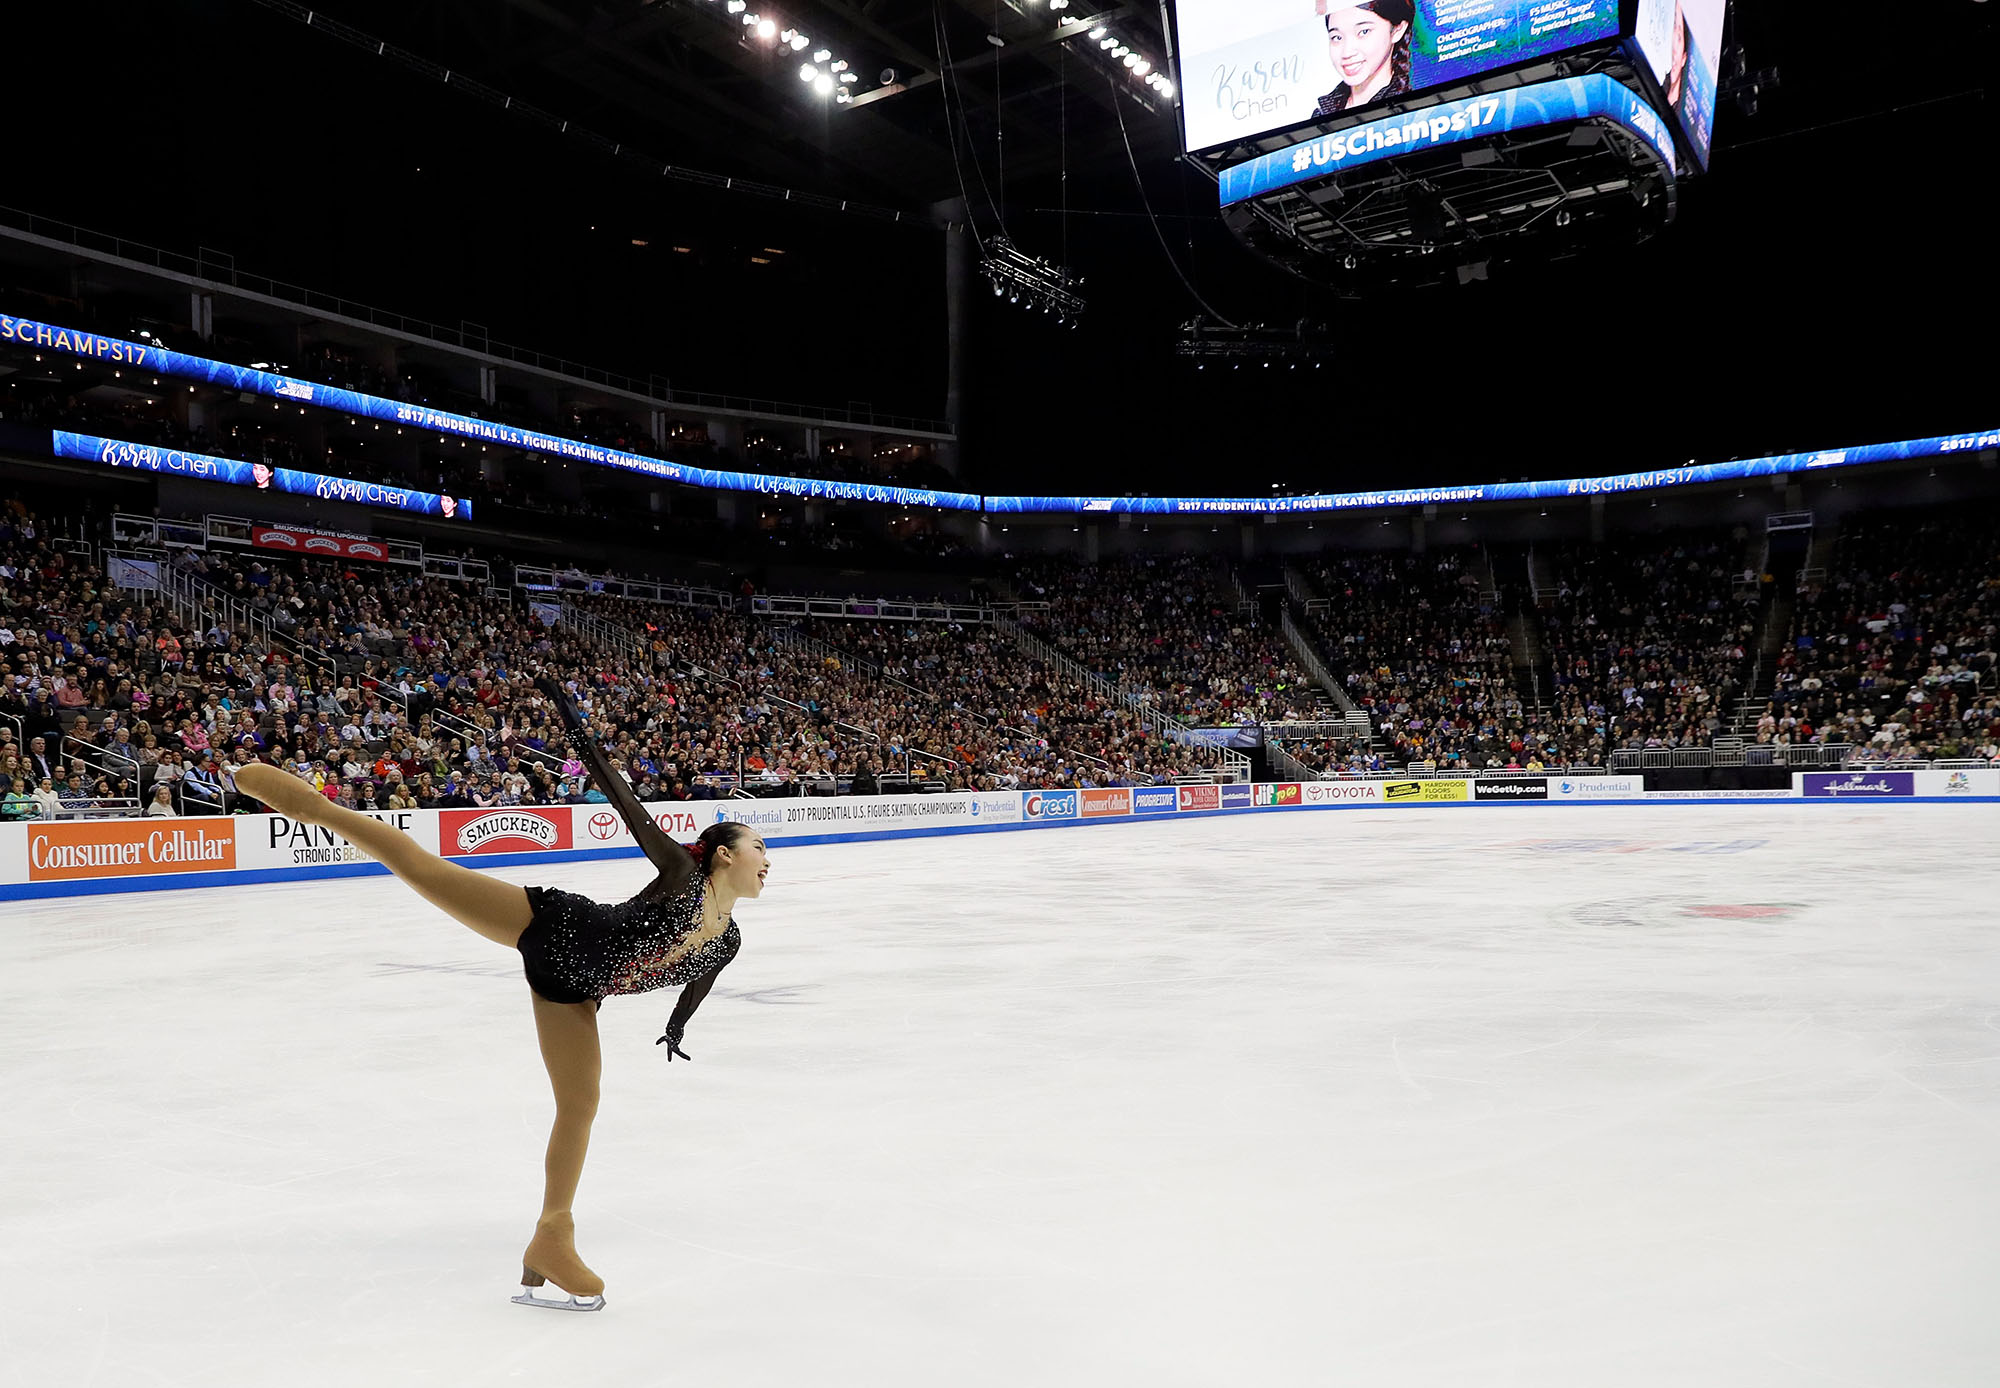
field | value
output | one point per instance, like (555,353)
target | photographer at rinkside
(1369,44)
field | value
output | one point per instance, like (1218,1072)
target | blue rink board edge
(166,882)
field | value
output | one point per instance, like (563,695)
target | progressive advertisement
(1249,67)
(1682,44)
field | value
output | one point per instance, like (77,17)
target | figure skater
(575,953)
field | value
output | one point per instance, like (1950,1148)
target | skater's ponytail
(725,835)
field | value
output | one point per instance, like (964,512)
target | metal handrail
(112,807)
(1302,648)
(1289,767)
(869,609)
(190,795)
(537,579)
(1236,763)
(1301,591)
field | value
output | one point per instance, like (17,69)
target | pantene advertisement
(1249,67)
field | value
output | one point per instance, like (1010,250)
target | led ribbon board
(1449,123)
(179,463)
(116,453)
(160,361)
(1692,475)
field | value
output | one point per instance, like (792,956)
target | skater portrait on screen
(1676,78)
(1369,45)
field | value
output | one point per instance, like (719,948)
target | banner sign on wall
(1249,67)
(1590,97)
(1858,785)
(1596,787)
(518,830)
(317,544)
(67,850)
(1243,737)
(140,575)
(1342,793)
(203,468)
(1513,788)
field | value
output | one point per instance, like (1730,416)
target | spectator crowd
(390,689)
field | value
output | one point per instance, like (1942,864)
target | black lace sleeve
(673,862)
(692,996)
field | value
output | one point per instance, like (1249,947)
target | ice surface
(1534,1095)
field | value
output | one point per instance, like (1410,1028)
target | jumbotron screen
(1249,67)
(1682,41)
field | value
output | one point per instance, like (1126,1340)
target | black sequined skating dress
(579,950)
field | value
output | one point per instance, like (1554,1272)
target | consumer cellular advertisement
(1249,67)
(1682,41)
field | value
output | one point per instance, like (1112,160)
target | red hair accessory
(697,850)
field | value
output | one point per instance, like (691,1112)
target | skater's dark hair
(729,835)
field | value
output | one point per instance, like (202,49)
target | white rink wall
(69,857)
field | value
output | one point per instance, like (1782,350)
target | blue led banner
(200,466)
(1691,475)
(121,454)
(1590,97)
(160,361)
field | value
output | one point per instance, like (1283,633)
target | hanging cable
(948,80)
(1117,105)
(999,119)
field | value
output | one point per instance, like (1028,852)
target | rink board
(76,857)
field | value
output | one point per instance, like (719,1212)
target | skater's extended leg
(498,910)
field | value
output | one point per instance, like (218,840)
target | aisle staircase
(1236,766)
(1790,541)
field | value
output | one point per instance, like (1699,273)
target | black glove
(672,1041)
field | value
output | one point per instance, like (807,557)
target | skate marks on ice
(1380,1098)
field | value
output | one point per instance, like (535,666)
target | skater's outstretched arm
(691,998)
(675,864)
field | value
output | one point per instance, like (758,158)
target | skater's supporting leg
(568,1035)
(498,910)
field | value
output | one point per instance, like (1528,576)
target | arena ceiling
(946,94)
(1817,290)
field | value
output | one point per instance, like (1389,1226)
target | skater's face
(743,866)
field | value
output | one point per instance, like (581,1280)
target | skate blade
(566,1303)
